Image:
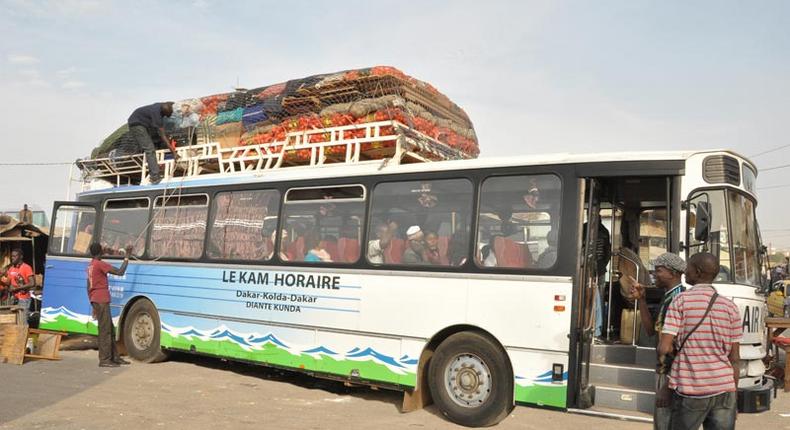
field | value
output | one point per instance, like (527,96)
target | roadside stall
(33,242)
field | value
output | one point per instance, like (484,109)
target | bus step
(630,376)
(623,354)
(624,398)
(616,414)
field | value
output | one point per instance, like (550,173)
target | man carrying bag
(704,371)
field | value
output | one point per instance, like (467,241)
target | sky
(534,77)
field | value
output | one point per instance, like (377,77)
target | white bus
(465,283)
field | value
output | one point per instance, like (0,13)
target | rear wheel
(141,330)
(470,379)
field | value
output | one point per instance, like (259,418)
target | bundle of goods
(265,115)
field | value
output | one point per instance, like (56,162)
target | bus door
(72,228)
(588,284)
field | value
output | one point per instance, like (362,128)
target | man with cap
(669,269)
(415,253)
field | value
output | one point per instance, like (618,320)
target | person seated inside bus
(329,244)
(377,246)
(315,253)
(415,250)
(394,227)
(533,195)
(432,254)
(549,255)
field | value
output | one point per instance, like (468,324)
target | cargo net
(355,115)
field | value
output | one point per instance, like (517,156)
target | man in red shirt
(99,296)
(707,328)
(21,280)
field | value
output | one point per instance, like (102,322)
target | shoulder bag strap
(710,305)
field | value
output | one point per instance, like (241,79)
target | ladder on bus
(351,144)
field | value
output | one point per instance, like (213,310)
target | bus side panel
(66,306)
(353,356)
(536,385)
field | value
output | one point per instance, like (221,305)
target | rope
(158,212)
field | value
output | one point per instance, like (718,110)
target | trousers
(713,413)
(107,350)
(146,144)
(25,305)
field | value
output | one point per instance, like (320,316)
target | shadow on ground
(39,384)
(301,379)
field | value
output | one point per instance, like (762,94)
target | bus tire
(141,330)
(470,379)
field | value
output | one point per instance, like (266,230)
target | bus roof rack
(349,144)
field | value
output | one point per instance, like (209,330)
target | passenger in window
(377,246)
(432,255)
(533,195)
(549,255)
(315,253)
(394,226)
(415,253)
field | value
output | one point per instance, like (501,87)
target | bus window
(244,222)
(710,205)
(652,234)
(179,226)
(420,223)
(73,230)
(124,225)
(322,225)
(518,224)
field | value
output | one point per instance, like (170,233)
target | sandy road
(191,392)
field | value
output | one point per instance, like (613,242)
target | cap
(413,230)
(670,261)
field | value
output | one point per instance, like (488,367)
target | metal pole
(68,184)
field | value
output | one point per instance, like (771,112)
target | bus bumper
(756,399)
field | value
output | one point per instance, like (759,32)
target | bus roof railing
(350,144)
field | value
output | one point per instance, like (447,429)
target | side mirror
(702,224)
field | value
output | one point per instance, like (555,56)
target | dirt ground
(189,392)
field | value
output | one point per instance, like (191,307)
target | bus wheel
(470,380)
(141,331)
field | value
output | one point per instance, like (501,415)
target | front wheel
(141,330)
(470,379)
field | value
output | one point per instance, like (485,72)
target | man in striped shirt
(704,374)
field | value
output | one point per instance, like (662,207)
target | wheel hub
(143,331)
(468,380)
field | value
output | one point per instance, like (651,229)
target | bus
(477,284)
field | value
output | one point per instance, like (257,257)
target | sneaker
(155,180)
(109,364)
(121,361)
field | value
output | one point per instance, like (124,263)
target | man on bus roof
(146,126)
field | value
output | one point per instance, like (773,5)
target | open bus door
(72,227)
(587,288)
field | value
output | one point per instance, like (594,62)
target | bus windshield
(728,218)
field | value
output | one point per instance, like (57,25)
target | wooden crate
(12,348)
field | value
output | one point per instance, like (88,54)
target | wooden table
(777,325)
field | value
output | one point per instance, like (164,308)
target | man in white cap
(669,269)
(415,252)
